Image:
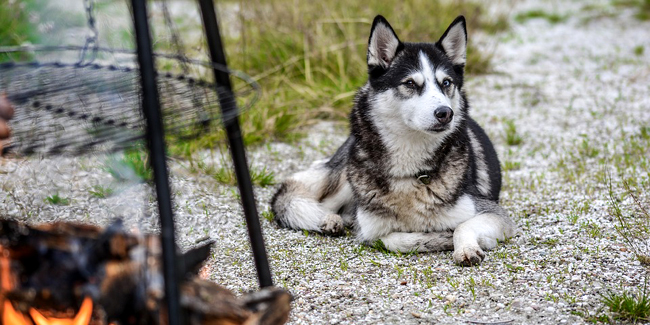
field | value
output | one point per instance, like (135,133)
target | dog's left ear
(383,44)
(454,41)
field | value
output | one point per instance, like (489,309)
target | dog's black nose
(443,114)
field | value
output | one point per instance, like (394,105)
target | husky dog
(417,172)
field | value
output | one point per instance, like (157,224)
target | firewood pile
(65,273)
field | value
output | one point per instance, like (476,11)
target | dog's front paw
(468,256)
(332,225)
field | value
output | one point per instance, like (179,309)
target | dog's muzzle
(444,114)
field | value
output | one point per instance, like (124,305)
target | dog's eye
(446,83)
(409,83)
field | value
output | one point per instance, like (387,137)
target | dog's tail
(311,199)
(295,207)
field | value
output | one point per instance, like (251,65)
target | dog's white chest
(418,207)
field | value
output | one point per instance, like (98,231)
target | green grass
(510,165)
(132,165)
(268,215)
(642,7)
(587,150)
(101,192)
(226,175)
(15,27)
(626,175)
(553,18)
(629,306)
(263,177)
(379,246)
(223,172)
(512,137)
(633,223)
(56,199)
(638,50)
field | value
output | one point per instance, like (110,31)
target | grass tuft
(634,225)
(553,18)
(101,192)
(15,26)
(512,137)
(379,246)
(226,175)
(133,165)
(628,306)
(263,177)
(642,7)
(56,199)
(587,149)
(268,215)
(510,165)
(638,50)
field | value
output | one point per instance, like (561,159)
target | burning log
(64,273)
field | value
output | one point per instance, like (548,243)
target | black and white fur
(417,172)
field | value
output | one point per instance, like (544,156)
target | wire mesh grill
(74,108)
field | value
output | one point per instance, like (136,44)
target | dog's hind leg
(408,242)
(481,232)
(311,199)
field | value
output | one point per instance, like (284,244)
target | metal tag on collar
(424,179)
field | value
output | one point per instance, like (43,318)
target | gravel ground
(575,91)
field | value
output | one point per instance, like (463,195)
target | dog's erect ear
(383,44)
(454,41)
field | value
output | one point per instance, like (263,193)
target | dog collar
(424,178)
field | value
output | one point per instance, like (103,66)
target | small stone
(550,309)
(517,303)
(450,298)
(416,315)
(403,283)
(528,309)
(500,306)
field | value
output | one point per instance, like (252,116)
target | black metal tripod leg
(156,141)
(231,123)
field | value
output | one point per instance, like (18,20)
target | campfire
(12,317)
(67,274)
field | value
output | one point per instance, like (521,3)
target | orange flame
(12,317)
(5,278)
(82,318)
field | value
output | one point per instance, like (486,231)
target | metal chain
(183,60)
(176,41)
(92,40)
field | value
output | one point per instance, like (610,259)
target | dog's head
(419,84)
